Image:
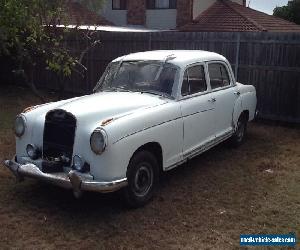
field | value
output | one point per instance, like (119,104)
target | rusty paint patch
(107,121)
(26,110)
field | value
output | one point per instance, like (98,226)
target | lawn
(204,204)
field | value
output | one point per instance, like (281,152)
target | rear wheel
(142,176)
(239,136)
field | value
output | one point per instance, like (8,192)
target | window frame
(122,6)
(208,89)
(229,72)
(150,5)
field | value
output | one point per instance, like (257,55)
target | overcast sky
(266,6)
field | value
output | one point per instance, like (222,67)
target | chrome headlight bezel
(20,120)
(98,134)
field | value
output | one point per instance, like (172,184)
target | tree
(290,12)
(28,34)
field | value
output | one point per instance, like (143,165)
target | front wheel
(142,176)
(239,135)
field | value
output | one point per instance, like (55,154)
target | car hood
(110,104)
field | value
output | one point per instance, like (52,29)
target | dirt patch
(204,204)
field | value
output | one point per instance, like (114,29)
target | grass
(204,204)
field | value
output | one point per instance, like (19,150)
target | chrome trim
(176,164)
(208,145)
(105,137)
(201,149)
(24,123)
(73,180)
(146,128)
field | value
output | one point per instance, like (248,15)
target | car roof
(177,57)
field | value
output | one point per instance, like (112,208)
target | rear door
(224,93)
(197,109)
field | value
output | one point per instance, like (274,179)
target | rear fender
(237,110)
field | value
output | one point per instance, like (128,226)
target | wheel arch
(245,114)
(154,148)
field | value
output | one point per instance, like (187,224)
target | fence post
(150,41)
(237,57)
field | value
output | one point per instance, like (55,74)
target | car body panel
(182,126)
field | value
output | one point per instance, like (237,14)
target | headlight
(20,125)
(98,141)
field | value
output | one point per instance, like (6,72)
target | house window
(161,4)
(119,4)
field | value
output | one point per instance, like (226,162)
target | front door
(197,107)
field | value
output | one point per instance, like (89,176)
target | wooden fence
(269,61)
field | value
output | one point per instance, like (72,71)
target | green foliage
(290,12)
(27,34)
(92,4)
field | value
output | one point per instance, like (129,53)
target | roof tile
(226,16)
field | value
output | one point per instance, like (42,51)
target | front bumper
(73,180)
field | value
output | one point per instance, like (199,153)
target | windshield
(140,76)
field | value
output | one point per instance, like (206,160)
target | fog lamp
(32,151)
(78,163)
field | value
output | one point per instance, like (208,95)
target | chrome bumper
(73,180)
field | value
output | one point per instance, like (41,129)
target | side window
(161,4)
(194,81)
(119,4)
(218,75)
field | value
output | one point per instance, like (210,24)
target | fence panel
(269,61)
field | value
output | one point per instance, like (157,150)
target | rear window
(218,75)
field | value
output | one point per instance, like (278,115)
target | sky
(266,6)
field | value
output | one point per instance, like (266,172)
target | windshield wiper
(153,92)
(116,89)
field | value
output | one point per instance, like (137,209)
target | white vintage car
(150,112)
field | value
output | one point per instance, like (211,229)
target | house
(80,15)
(227,16)
(156,14)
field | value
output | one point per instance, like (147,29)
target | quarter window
(161,4)
(218,75)
(119,4)
(193,81)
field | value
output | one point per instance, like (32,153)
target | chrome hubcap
(143,180)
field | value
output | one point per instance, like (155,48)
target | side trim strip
(123,137)
(202,149)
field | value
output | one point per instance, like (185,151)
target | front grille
(59,133)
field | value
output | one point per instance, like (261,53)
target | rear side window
(194,81)
(218,75)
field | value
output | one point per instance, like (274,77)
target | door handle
(238,93)
(212,100)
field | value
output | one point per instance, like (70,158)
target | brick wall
(184,12)
(136,14)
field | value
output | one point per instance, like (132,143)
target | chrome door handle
(212,100)
(238,93)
